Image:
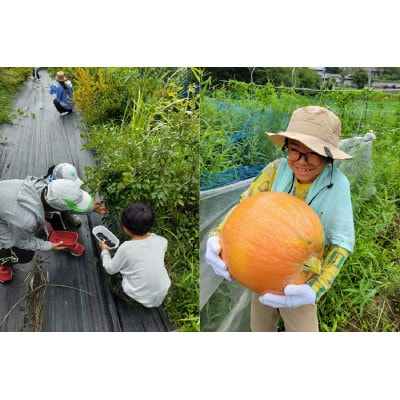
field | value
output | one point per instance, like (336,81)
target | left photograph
(99,205)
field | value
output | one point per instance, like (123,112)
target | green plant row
(226,112)
(143,132)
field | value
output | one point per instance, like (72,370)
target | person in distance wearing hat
(310,144)
(23,205)
(64,94)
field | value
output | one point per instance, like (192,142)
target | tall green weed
(149,153)
(11,79)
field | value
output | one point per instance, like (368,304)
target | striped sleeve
(333,262)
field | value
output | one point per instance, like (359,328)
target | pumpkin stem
(312,264)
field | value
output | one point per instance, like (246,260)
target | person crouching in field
(137,271)
(23,207)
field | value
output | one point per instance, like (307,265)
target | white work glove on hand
(214,260)
(295,296)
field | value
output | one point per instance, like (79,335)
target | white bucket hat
(317,128)
(66,171)
(66,195)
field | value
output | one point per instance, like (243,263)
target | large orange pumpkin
(272,239)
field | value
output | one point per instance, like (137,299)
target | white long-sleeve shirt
(141,263)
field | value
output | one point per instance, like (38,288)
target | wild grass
(146,149)
(366,294)
(10,83)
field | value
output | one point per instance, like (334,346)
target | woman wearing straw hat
(310,145)
(64,94)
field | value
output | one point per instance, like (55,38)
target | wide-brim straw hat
(317,128)
(60,77)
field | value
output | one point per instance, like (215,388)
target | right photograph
(299,199)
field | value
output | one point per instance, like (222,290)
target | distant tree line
(278,76)
(299,77)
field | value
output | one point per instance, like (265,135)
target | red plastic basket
(67,237)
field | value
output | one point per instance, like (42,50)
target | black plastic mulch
(57,292)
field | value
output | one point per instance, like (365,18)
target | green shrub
(149,153)
(10,83)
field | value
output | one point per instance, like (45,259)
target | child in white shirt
(137,269)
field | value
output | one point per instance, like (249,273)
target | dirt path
(70,294)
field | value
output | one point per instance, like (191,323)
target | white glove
(213,259)
(295,296)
